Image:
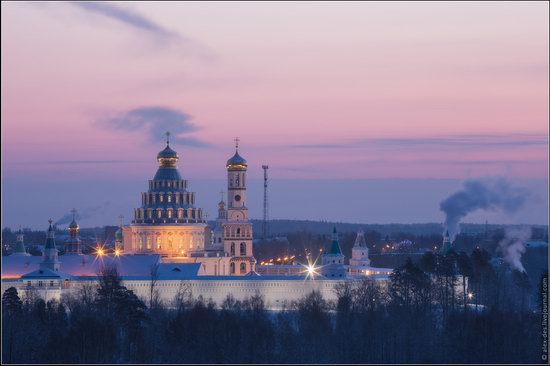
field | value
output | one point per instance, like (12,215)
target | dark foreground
(418,318)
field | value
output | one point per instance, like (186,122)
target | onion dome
(167,157)
(236,162)
(73,225)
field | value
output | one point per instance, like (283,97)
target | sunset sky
(360,102)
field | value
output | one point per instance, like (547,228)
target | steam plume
(512,246)
(489,195)
(82,215)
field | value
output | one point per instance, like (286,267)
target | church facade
(170,223)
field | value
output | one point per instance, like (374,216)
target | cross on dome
(167,137)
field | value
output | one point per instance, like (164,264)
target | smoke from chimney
(476,194)
(512,246)
(82,215)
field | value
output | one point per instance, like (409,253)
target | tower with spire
(332,261)
(73,243)
(50,259)
(237,230)
(20,245)
(360,251)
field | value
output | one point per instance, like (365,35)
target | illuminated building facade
(168,222)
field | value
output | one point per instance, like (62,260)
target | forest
(418,316)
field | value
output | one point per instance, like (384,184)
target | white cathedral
(169,233)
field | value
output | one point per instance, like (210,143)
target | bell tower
(237,230)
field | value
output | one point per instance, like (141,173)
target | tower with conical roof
(360,251)
(73,243)
(447,244)
(237,230)
(20,245)
(50,259)
(167,222)
(332,261)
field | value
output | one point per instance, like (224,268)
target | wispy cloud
(82,162)
(477,140)
(126,16)
(155,121)
(134,20)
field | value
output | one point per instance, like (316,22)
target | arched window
(243,268)
(232,249)
(159,242)
(232,268)
(243,249)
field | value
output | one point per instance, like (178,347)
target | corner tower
(333,260)
(50,260)
(237,230)
(20,245)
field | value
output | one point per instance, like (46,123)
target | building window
(232,268)
(39,283)
(169,214)
(159,242)
(149,243)
(238,231)
(169,197)
(51,283)
(243,268)
(232,249)
(243,249)
(29,283)
(161,198)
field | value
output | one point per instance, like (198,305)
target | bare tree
(183,296)
(153,291)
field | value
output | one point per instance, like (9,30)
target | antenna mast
(265,227)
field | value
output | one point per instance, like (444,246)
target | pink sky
(278,75)
(316,90)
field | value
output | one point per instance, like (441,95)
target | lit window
(169,198)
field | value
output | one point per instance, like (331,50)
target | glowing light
(470,296)
(99,251)
(117,252)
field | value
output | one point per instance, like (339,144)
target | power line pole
(265,227)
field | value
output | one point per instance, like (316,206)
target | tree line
(421,315)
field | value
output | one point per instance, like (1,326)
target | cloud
(480,140)
(126,16)
(155,121)
(137,21)
(83,162)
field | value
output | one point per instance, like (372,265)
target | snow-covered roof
(45,273)
(16,266)
(89,265)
